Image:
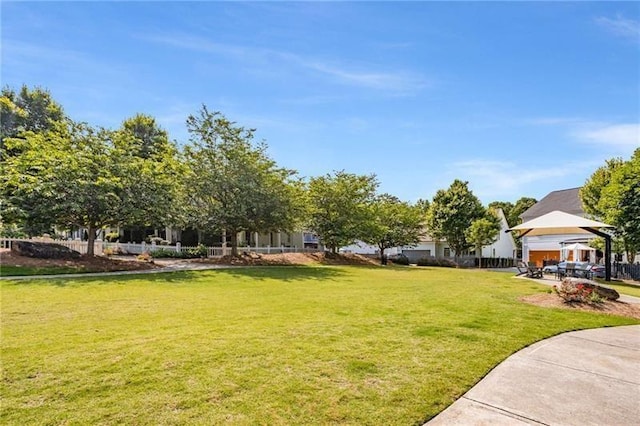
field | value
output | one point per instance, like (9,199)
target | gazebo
(558,223)
(576,248)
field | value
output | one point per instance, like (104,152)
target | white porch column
(256,236)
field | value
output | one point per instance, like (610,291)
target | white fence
(132,248)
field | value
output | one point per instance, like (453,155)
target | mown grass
(277,345)
(623,288)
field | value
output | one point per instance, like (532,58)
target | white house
(503,247)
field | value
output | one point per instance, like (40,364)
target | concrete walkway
(589,377)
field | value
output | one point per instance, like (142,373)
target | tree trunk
(234,243)
(91,238)
(382,259)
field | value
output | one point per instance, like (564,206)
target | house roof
(564,200)
(558,223)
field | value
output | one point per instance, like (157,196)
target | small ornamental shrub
(200,251)
(579,293)
(146,256)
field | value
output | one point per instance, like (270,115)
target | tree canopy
(451,213)
(394,223)
(483,231)
(27,110)
(340,207)
(620,203)
(233,185)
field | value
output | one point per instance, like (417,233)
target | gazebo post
(607,254)
(607,251)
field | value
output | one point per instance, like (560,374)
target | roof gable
(564,200)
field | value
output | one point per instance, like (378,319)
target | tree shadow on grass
(281,273)
(285,273)
(70,281)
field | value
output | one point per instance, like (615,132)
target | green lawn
(290,345)
(623,288)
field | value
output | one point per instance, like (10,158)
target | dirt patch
(83,264)
(285,259)
(550,300)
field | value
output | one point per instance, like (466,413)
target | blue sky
(517,98)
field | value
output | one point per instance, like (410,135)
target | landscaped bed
(12,264)
(277,345)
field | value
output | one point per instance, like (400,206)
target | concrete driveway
(589,377)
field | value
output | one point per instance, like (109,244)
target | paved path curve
(589,377)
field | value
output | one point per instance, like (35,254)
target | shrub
(433,261)
(200,251)
(146,256)
(112,237)
(400,259)
(570,292)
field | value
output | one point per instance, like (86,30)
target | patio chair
(533,271)
(570,270)
(522,268)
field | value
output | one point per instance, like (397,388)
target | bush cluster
(433,261)
(200,251)
(580,293)
(400,259)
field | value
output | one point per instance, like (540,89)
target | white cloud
(395,81)
(621,26)
(507,180)
(617,135)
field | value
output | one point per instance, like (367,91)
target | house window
(447,252)
(428,252)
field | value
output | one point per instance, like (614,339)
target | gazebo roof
(557,222)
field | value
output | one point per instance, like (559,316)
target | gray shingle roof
(564,200)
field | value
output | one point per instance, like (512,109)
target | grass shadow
(287,273)
(281,273)
(68,281)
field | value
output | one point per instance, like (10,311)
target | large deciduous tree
(76,176)
(620,203)
(232,185)
(340,207)
(394,223)
(66,176)
(149,168)
(451,213)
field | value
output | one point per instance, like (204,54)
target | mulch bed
(551,300)
(84,263)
